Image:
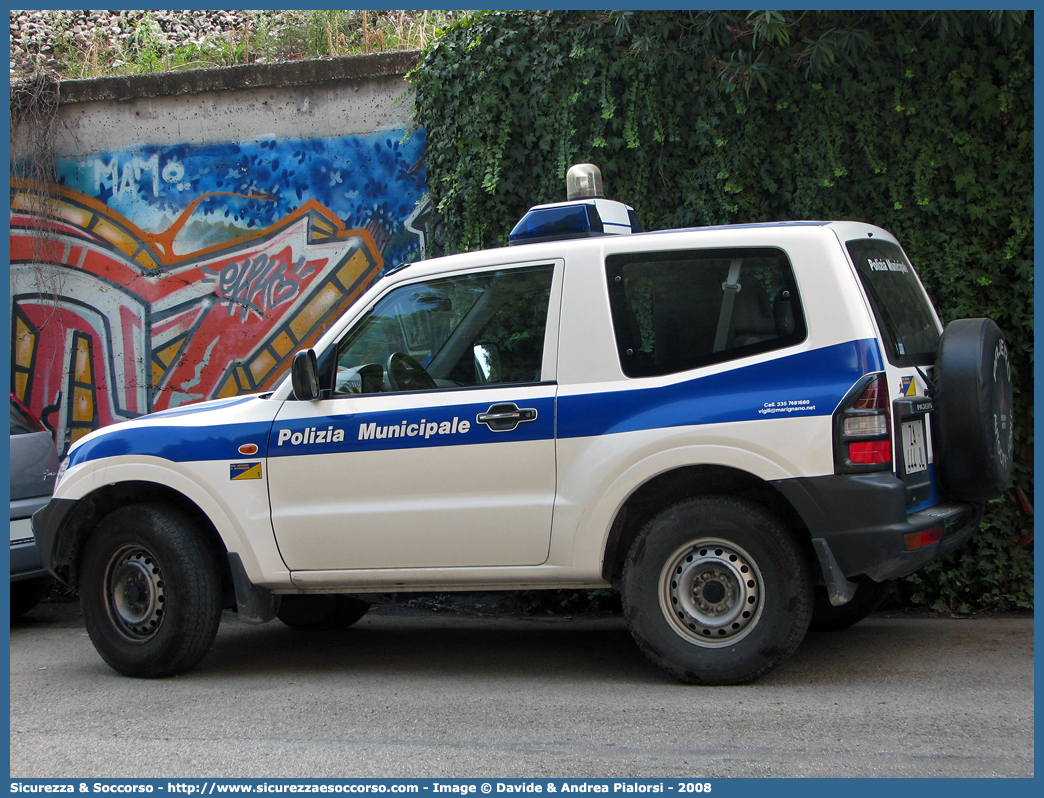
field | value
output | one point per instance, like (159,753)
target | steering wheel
(406,374)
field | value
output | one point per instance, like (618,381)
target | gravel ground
(76,44)
(37,35)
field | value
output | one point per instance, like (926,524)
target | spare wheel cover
(973,429)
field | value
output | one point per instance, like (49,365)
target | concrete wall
(206,226)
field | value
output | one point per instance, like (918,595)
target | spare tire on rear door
(973,429)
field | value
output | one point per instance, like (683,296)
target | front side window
(451,332)
(900,306)
(674,311)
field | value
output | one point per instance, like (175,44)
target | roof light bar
(586,213)
(556,223)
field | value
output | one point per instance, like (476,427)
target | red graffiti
(110,323)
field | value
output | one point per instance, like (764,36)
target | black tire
(27,593)
(723,550)
(828,618)
(150,591)
(974,435)
(321,612)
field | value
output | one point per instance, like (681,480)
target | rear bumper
(25,560)
(862,519)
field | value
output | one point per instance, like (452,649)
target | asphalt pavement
(416,693)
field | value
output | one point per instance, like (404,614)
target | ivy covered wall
(920,122)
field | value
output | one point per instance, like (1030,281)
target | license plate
(914,449)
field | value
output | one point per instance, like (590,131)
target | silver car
(34,465)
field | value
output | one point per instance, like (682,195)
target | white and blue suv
(744,428)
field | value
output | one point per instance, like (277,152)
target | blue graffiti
(373,181)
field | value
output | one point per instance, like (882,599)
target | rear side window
(902,309)
(674,311)
(22,421)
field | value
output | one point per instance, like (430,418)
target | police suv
(745,429)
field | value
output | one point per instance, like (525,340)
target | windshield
(903,311)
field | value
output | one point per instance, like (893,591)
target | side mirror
(304,375)
(487,363)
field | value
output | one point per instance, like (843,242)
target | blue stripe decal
(415,428)
(809,383)
(178,444)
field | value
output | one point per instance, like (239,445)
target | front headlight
(61,472)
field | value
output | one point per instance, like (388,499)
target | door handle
(506,416)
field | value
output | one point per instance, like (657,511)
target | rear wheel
(716,591)
(150,591)
(27,593)
(321,612)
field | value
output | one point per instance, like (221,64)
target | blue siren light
(557,222)
(586,214)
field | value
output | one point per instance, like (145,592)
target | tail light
(23,421)
(863,428)
(927,537)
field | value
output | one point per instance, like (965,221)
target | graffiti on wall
(165,275)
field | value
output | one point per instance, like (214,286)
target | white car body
(372,475)
(439,516)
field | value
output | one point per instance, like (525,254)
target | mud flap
(839,589)
(254,604)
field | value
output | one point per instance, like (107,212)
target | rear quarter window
(674,311)
(903,311)
(22,421)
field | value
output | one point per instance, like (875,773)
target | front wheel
(150,591)
(716,591)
